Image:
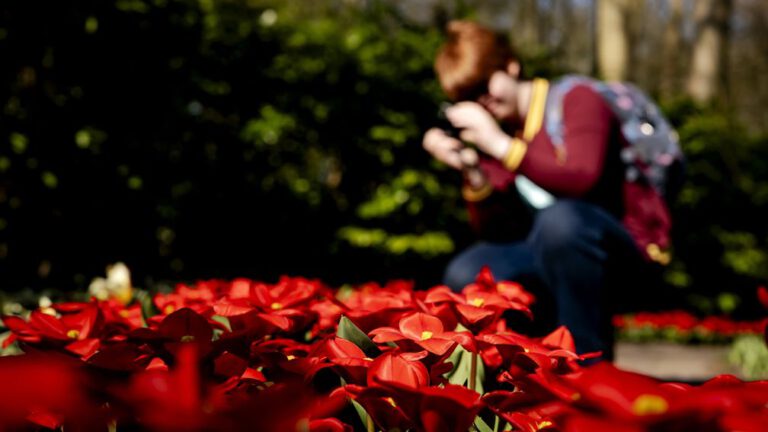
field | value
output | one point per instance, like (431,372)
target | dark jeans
(580,253)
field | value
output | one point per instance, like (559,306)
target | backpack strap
(554,113)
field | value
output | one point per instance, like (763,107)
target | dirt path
(673,362)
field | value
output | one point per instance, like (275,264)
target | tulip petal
(186,325)
(392,367)
(560,338)
(474,314)
(441,294)
(437,346)
(337,347)
(48,325)
(84,348)
(386,334)
(762,295)
(415,326)
(226,309)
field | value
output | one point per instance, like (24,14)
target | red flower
(510,290)
(229,365)
(438,409)
(400,368)
(380,405)
(119,318)
(344,357)
(618,393)
(328,314)
(448,408)
(329,425)
(373,306)
(430,409)
(198,298)
(762,296)
(475,309)
(284,305)
(185,326)
(75,331)
(45,390)
(501,349)
(425,331)
(170,400)
(524,410)
(286,294)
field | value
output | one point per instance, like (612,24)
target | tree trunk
(528,20)
(671,69)
(612,40)
(707,75)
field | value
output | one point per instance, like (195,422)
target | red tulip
(762,296)
(400,368)
(524,410)
(46,390)
(372,306)
(329,425)
(425,331)
(618,393)
(438,409)
(512,291)
(474,309)
(76,332)
(380,405)
(344,357)
(284,305)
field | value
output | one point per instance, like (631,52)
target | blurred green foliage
(750,354)
(720,234)
(219,138)
(258,137)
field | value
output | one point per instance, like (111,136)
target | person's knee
(559,228)
(459,274)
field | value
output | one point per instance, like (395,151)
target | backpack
(652,156)
(653,161)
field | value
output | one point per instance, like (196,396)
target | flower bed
(684,327)
(298,355)
(700,345)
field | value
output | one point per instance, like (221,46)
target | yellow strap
(515,153)
(655,253)
(535,117)
(474,195)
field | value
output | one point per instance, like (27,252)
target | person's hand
(473,175)
(479,127)
(443,147)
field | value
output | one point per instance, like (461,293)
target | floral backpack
(653,161)
(653,154)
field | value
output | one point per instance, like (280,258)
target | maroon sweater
(590,169)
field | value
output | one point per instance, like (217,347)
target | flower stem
(472,371)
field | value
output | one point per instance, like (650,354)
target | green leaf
(349,331)
(460,373)
(481,425)
(358,408)
(147,307)
(223,320)
(361,413)
(10,350)
(462,360)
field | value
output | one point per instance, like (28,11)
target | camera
(445,124)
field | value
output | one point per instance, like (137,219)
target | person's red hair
(468,58)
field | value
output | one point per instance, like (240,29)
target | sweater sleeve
(587,127)
(497,214)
